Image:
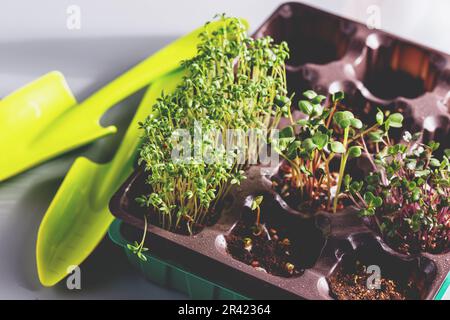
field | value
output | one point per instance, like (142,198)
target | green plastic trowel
(79,217)
(34,129)
(24,114)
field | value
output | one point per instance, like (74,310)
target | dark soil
(346,285)
(268,250)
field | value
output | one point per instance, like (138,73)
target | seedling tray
(170,276)
(374,69)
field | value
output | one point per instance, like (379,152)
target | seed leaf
(310,94)
(306,107)
(337,147)
(354,152)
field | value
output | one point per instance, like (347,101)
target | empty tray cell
(392,68)
(366,110)
(363,108)
(437,128)
(312,37)
(283,243)
(300,80)
(369,272)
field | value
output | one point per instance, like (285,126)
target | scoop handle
(162,62)
(81,124)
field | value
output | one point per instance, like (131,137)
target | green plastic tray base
(195,287)
(444,292)
(170,276)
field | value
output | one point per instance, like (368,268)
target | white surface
(424,20)
(115,35)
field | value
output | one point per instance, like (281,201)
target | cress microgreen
(234,82)
(138,248)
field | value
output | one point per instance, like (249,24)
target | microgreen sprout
(408,195)
(234,82)
(289,267)
(138,248)
(312,143)
(256,206)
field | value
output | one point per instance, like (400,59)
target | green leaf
(345,123)
(395,120)
(377,202)
(338,96)
(447,153)
(310,94)
(131,247)
(347,180)
(375,136)
(354,152)
(305,171)
(287,132)
(142,201)
(318,99)
(367,212)
(380,117)
(302,122)
(422,173)
(435,162)
(320,139)
(142,257)
(309,145)
(341,115)
(356,123)
(317,110)
(293,148)
(305,106)
(337,147)
(434,145)
(356,186)
(282,144)
(343,118)
(415,194)
(369,197)
(257,202)
(282,101)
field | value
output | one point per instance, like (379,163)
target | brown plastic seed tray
(375,69)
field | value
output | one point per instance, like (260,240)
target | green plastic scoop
(35,129)
(24,114)
(78,217)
